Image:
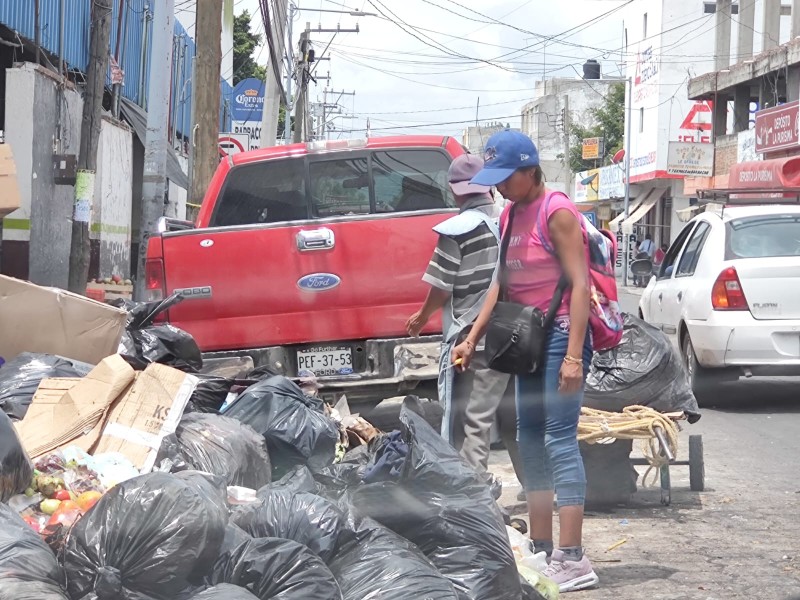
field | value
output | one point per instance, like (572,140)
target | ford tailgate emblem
(318,282)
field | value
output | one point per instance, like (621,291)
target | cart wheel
(697,467)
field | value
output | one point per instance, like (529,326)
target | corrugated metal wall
(136,35)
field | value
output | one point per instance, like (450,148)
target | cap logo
(490,154)
(524,157)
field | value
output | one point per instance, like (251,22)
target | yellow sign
(592,148)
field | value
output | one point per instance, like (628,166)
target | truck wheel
(697,466)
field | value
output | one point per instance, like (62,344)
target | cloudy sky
(424,65)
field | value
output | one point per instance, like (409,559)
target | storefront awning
(615,223)
(766,174)
(649,202)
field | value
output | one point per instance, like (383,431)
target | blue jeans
(547,426)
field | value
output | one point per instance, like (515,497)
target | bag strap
(502,270)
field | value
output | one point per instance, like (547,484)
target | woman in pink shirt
(548,401)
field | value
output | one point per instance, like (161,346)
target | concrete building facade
(543,120)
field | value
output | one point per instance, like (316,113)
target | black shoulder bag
(516,334)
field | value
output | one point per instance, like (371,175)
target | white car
(728,294)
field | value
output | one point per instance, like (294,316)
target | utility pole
(206,95)
(90,137)
(566,123)
(273,99)
(154,178)
(301,108)
(625,236)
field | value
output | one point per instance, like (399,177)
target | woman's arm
(567,236)
(466,349)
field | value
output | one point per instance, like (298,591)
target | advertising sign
(592,148)
(248,100)
(690,159)
(777,128)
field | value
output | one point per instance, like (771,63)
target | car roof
(729,213)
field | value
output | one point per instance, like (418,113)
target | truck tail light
(155,282)
(727,293)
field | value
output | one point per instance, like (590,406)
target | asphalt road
(740,538)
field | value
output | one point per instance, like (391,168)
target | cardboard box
(72,411)
(9,188)
(53,321)
(149,411)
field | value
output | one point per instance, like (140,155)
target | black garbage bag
(295,426)
(20,378)
(224,591)
(644,369)
(15,589)
(446,509)
(27,565)
(305,518)
(295,481)
(210,394)
(218,445)
(146,539)
(164,344)
(16,469)
(279,569)
(144,343)
(378,563)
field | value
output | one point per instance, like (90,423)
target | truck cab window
(339,187)
(411,180)
(266,192)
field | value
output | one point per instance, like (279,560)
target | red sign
(766,174)
(777,128)
(698,123)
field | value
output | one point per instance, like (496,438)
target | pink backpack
(605,318)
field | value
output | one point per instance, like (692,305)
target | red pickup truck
(309,257)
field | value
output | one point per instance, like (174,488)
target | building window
(710,8)
(641,120)
(644,27)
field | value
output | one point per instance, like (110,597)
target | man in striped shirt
(459,274)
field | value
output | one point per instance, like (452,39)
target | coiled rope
(633,423)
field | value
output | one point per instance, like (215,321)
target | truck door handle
(660,297)
(315,239)
(680,296)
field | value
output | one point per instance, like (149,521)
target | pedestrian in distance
(549,400)
(459,275)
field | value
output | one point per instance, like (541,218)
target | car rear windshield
(401,180)
(763,236)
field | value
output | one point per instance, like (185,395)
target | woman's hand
(463,352)
(570,378)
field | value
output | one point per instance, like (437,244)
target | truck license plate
(324,362)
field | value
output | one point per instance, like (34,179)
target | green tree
(608,122)
(244,44)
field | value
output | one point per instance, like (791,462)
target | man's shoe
(522,496)
(570,575)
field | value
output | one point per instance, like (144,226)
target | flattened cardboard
(67,411)
(149,411)
(53,321)
(10,199)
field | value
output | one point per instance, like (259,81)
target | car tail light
(727,293)
(155,283)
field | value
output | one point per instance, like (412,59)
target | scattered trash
(624,522)
(616,545)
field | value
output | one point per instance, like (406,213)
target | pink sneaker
(570,575)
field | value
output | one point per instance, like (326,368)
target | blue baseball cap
(506,151)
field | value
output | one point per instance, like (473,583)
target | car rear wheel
(702,381)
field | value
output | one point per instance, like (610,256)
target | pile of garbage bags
(254,495)
(644,369)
